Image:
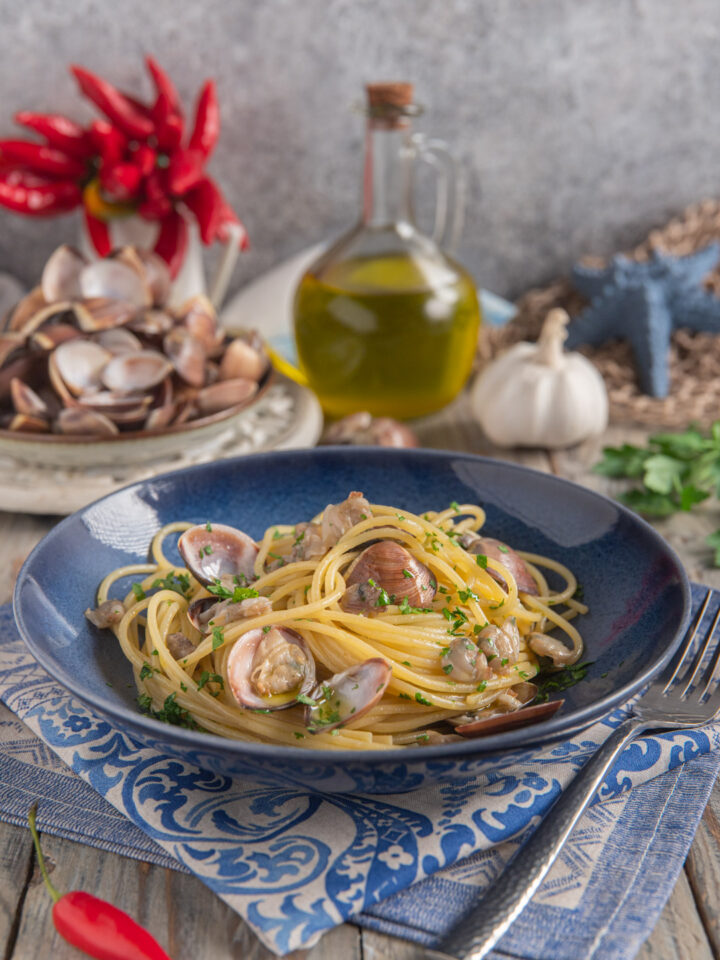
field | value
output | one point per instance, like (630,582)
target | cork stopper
(389,104)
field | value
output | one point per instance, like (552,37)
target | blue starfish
(643,303)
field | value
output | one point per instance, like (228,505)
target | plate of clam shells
(104,380)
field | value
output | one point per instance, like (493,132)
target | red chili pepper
(207,121)
(164,86)
(156,205)
(58,131)
(185,171)
(114,104)
(36,196)
(109,142)
(38,157)
(95,926)
(206,204)
(120,182)
(169,131)
(99,233)
(172,240)
(144,158)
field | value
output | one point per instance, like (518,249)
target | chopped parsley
(481,686)
(423,737)
(298,735)
(207,677)
(146,671)
(481,560)
(277,535)
(497,605)
(447,668)
(237,594)
(363,516)
(171,712)
(503,549)
(267,628)
(404,696)
(399,516)
(421,699)
(466,595)
(303,698)
(406,663)
(206,550)
(550,683)
(179,582)
(138,591)
(407,574)
(406,608)
(218,637)
(208,527)
(183,687)
(456,506)
(276,556)
(579,592)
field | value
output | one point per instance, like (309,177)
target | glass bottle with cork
(385,320)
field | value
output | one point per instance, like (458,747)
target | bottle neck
(388,175)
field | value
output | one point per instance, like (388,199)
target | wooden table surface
(193,924)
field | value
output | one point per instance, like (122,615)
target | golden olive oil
(393,334)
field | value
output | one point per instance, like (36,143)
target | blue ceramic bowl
(634,584)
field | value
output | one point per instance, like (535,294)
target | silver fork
(681,697)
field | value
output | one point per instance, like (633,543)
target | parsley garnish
(179,582)
(466,595)
(481,686)
(236,594)
(303,698)
(456,506)
(146,671)
(406,608)
(447,668)
(423,737)
(549,683)
(298,735)
(277,535)
(481,560)
(404,696)
(421,699)
(138,591)
(171,712)
(218,637)
(406,663)
(407,574)
(207,677)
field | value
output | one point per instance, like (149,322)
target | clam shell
(224,394)
(26,423)
(384,562)
(347,695)
(242,360)
(187,355)
(25,400)
(103,313)
(44,315)
(118,340)
(79,421)
(10,344)
(152,323)
(51,336)
(505,555)
(510,721)
(113,278)
(199,318)
(136,372)
(241,665)
(61,275)
(26,308)
(76,366)
(220,551)
(157,276)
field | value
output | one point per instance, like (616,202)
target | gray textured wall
(581,122)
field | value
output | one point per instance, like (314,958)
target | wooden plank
(180,911)
(703,869)
(679,933)
(15,867)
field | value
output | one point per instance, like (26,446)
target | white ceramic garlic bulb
(537,395)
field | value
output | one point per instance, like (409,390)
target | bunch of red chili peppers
(133,162)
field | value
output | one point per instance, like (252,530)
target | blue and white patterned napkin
(294,864)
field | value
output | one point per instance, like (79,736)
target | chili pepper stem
(38,850)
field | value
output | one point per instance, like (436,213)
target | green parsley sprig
(674,472)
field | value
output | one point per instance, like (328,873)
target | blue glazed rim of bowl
(556,728)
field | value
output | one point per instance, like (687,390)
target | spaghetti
(200,636)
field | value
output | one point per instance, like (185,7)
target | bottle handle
(450,193)
(226,265)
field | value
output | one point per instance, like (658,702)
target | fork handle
(481,928)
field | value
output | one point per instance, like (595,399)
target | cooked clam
(136,372)
(82,422)
(51,336)
(505,555)
(224,394)
(347,695)
(207,612)
(386,566)
(46,314)
(26,308)
(61,274)
(464,663)
(215,551)
(107,614)
(242,360)
(268,670)
(152,323)
(77,366)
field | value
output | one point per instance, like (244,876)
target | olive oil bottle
(385,321)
